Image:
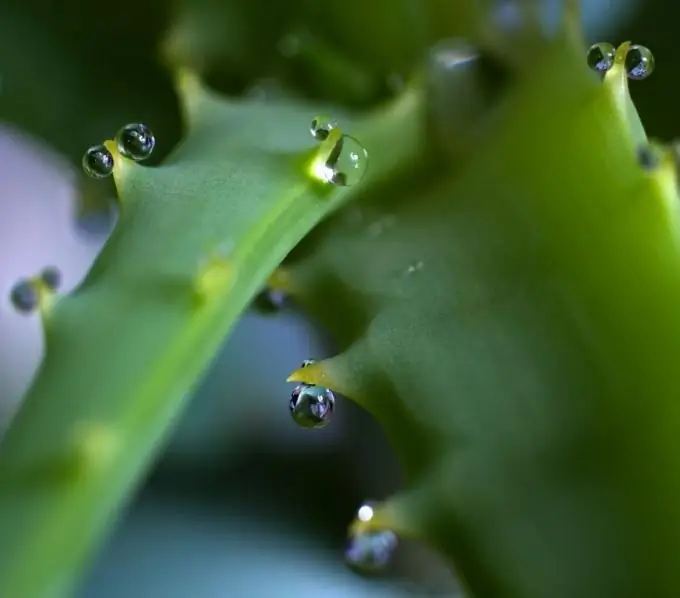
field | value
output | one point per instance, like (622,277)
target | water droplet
(98,162)
(648,157)
(370,551)
(639,62)
(51,277)
(347,162)
(312,406)
(600,57)
(307,362)
(270,301)
(24,297)
(321,126)
(135,141)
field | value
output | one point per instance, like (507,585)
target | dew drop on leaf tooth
(321,126)
(51,277)
(347,162)
(311,406)
(24,297)
(370,551)
(136,142)
(600,57)
(639,62)
(98,162)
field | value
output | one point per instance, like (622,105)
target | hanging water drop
(321,126)
(98,162)
(639,62)
(600,57)
(370,551)
(347,162)
(51,277)
(311,406)
(24,296)
(135,141)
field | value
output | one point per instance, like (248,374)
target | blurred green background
(242,503)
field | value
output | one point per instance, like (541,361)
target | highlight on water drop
(311,406)
(135,141)
(639,62)
(600,56)
(98,162)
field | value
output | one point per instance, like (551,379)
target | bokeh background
(243,502)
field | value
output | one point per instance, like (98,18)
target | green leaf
(197,237)
(513,325)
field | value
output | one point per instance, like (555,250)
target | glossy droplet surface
(24,297)
(370,551)
(347,163)
(51,277)
(307,362)
(135,141)
(311,406)
(639,62)
(98,162)
(600,57)
(321,126)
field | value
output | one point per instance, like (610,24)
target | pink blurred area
(38,198)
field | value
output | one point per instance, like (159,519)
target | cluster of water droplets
(639,62)
(347,159)
(25,294)
(134,141)
(311,406)
(369,551)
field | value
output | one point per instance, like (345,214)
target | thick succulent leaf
(514,328)
(196,239)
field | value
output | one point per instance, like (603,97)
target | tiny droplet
(311,406)
(24,296)
(98,162)
(135,141)
(270,301)
(600,57)
(347,163)
(639,62)
(370,551)
(307,362)
(51,277)
(648,157)
(321,126)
